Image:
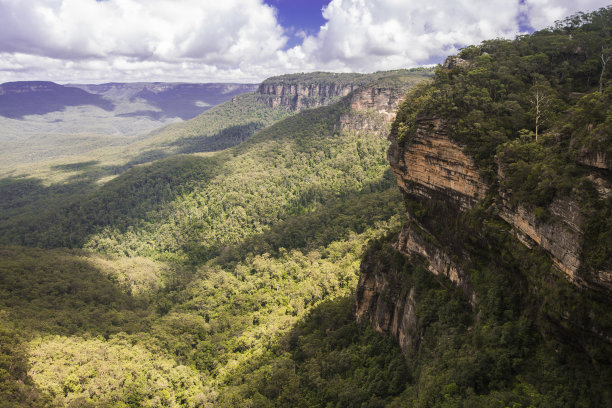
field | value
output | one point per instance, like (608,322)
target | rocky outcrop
(597,159)
(381,300)
(384,100)
(298,96)
(455,62)
(431,165)
(373,108)
(559,236)
(416,240)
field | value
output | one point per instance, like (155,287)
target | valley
(406,238)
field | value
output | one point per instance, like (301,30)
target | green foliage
(245,242)
(489,97)
(504,350)
(531,113)
(68,292)
(326,359)
(191,338)
(191,207)
(353,79)
(16,387)
(227,278)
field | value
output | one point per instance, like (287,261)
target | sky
(95,41)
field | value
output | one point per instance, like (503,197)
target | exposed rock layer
(431,164)
(301,95)
(416,240)
(373,108)
(597,159)
(560,237)
(381,301)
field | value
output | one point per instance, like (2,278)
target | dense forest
(200,267)
(219,265)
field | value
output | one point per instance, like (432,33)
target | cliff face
(559,237)
(597,159)
(431,165)
(507,245)
(428,166)
(373,108)
(381,301)
(298,96)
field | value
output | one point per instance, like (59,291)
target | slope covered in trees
(199,266)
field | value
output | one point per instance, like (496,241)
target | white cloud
(241,40)
(543,13)
(375,34)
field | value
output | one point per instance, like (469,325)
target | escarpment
(430,166)
(302,95)
(373,107)
(503,268)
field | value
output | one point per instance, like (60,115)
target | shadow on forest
(225,138)
(354,212)
(27,196)
(75,166)
(335,361)
(65,292)
(64,214)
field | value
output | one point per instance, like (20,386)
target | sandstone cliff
(429,166)
(373,107)
(381,91)
(381,301)
(298,96)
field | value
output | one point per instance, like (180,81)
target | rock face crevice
(560,237)
(597,159)
(414,239)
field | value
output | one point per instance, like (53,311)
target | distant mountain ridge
(171,99)
(155,100)
(296,92)
(18,99)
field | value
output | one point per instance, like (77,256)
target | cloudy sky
(248,40)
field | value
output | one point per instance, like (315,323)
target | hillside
(18,99)
(167,99)
(189,257)
(44,125)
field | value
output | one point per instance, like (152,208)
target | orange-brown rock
(560,236)
(431,164)
(597,159)
(373,108)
